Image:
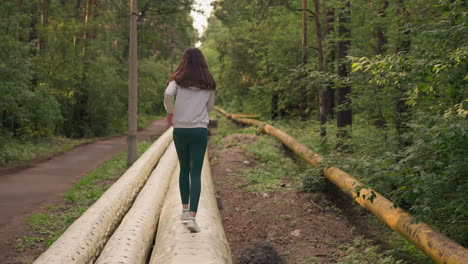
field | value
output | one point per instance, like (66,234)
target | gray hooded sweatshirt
(191,105)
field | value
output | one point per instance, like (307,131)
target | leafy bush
(432,173)
(313,180)
(428,178)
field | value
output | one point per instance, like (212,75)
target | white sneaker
(184,217)
(192,226)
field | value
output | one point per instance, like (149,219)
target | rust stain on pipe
(434,244)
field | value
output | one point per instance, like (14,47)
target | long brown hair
(193,71)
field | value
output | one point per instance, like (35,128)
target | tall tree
(330,60)
(303,100)
(304,31)
(380,35)
(323,96)
(380,48)
(344,114)
(402,109)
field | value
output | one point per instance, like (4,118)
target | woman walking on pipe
(188,98)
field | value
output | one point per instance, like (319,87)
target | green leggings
(190,145)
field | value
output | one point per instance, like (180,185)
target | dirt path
(283,223)
(26,191)
(299,226)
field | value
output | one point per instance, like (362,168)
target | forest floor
(301,227)
(272,220)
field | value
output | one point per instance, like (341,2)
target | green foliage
(432,176)
(226,128)
(362,251)
(427,179)
(313,180)
(21,244)
(275,168)
(63,65)
(106,108)
(152,76)
(256,44)
(16,152)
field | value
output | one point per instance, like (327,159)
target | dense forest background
(377,86)
(64,64)
(386,82)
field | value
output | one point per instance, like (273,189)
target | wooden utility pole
(132,86)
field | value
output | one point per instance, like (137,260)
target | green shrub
(313,180)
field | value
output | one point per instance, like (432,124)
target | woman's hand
(169,119)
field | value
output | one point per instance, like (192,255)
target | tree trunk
(329,61)
(90,11)
(402,109)
(322,93)
(85,22)
(304,32)
(303,100)
(377,117)
(344,114)
(172,46)
(404,41)
(92,14)
(274,105)
(40,41)
(79,16)
(381,39)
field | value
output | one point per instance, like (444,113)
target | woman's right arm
(169,95)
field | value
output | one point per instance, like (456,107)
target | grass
(226,128)
(19,152)
(364,251)
(50,225)
(274,168)
(144,119)
(16,152)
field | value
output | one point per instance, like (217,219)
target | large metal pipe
(132,240)
(434,244)
(175,244)
(246,116)
(83,241)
